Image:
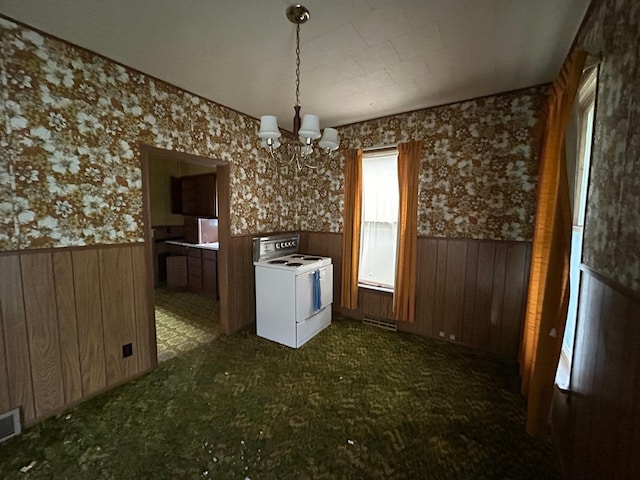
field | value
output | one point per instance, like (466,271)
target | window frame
(368,154)
(584,115)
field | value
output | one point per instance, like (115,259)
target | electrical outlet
(442,334)
(127,350)
(452,336)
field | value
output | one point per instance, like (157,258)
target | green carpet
(354,403)
(184,321)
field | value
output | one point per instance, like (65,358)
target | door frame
(147,152)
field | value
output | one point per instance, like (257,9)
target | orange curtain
(549,277)
(404,297)
(351,228)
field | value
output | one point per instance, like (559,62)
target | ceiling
(360,59)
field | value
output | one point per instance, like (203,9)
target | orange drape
(404,297)
(549,277)
(351,226)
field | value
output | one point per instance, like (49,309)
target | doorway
(182,319)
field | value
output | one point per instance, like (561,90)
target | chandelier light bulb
(270,143)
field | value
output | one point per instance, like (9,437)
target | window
(584,116)
(379,224)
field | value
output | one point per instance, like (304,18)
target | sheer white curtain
(379,235)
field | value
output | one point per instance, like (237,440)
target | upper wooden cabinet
(194,195)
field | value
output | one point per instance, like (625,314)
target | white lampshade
(269,127)
(329,139)
(310,127)
(264,143)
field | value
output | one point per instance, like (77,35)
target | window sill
(377,288)
(563,374)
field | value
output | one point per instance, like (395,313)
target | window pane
(378,243)
(585,118)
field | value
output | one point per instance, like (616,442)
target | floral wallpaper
(612,226)
(70,166)
(477,175)
(73,122)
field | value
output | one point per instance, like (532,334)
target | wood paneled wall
(596,426)
(326,245)
(469,291)
(473,291)
(241,279)
(240,284)
(64,318)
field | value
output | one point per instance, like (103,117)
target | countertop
(207,246)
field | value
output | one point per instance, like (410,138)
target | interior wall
(476,203)
(74,123)
(612,225)
(70,177)
(471,292)
(478,169)
(596,425)
(65,316)
(160,172)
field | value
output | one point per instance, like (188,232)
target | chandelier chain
(301,150)
(298,64)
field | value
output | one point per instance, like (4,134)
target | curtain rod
(380,148)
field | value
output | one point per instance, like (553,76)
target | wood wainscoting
(65,315)
(326,245)
(240,286)
(473,292)
(596,424)
(469,291)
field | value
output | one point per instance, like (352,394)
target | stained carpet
(354,403)
(184,321)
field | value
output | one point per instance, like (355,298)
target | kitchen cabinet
(175,258)
(162,250)
(210,272)
(176,271)
(175,248)
(194,268)
(194,195)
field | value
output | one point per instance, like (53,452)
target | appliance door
(275,309)
(304,292)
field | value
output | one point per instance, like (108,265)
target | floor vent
(9,424)
(384,324)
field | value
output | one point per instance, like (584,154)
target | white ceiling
(360,59)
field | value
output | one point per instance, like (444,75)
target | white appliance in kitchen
(294,291)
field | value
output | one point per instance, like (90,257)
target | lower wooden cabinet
(210,272)
(194,256)
(177,276)
(193,267)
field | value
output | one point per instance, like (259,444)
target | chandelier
(298,151)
